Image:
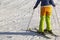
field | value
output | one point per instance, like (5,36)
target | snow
(15,16)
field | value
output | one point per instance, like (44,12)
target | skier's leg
(41,26)
(42,18)
(48,17)
(49,28)
(48,22)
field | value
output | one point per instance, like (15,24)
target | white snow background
(15,16)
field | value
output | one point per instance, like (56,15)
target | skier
(46,11)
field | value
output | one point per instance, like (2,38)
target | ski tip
(57,36)
(46,37)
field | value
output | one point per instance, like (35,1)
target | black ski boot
(46,31)
(41,33)
(49,32)
(52,33)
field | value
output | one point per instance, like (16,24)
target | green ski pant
(48,23)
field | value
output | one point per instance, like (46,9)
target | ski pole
(30,19)
(57,16)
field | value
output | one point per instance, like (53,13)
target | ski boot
(49,32)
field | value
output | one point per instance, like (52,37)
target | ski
(51,33)
(54,35)
(38,33)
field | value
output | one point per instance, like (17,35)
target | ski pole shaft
(30,19)
(57,16)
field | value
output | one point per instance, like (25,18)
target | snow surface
(15,16)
